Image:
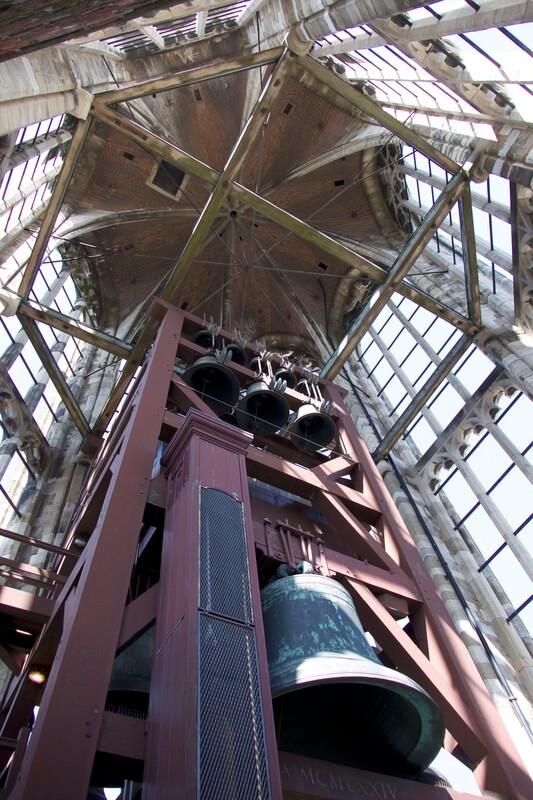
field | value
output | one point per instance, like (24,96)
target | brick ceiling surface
(249,271)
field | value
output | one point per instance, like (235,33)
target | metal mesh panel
(232,758)
(224,573)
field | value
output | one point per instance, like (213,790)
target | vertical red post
(60,754)
(210,724)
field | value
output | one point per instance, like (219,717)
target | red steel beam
(75,692)
(503,769)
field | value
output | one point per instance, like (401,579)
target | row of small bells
(262,409)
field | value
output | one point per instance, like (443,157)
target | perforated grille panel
(232,758)
(224,573)
(232,747)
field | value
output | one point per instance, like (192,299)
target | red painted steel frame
(60,754)
(384,572)
(204,453)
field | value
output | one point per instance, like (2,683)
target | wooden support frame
(56,376)
(421,398)
(396,274)
(232,167)
(185,77)
(54,205)
(69,692)
(65,324)
(373,109)
(470,256)
(210,176)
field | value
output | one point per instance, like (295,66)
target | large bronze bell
(333,699)
(214,382)
(310,429)
(262,410)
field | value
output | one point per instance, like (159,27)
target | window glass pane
(512,423)
(372,356)
(488,461)
(446,406)
(460,494)
(526,615)
(391,330)
(395,391)
(415,364)
(474,371)
(526,535)
(514,497)
(524,32)
(422,319)
(501,232)
(422,435)
(403,344)
(438,334)
(484,532)
(366,341)
(47,334)
(510,573)
(382,373)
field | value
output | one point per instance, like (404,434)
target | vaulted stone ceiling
(280,218)
(249,270)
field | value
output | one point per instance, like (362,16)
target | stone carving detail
(17,428)
(10,413)
(468,432)
(494,399)
(83,277)
(393,184)
(523,256)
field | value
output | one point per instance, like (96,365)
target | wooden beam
(49,316)
(468,238)
(408,657)
(211,176)
(185,77)
(412,250)
(468,710)
(308,483)
(238,155)
(373,109)
(54,205)
(222,187)
(56,376)
(31,542)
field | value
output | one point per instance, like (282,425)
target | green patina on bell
(333,699)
